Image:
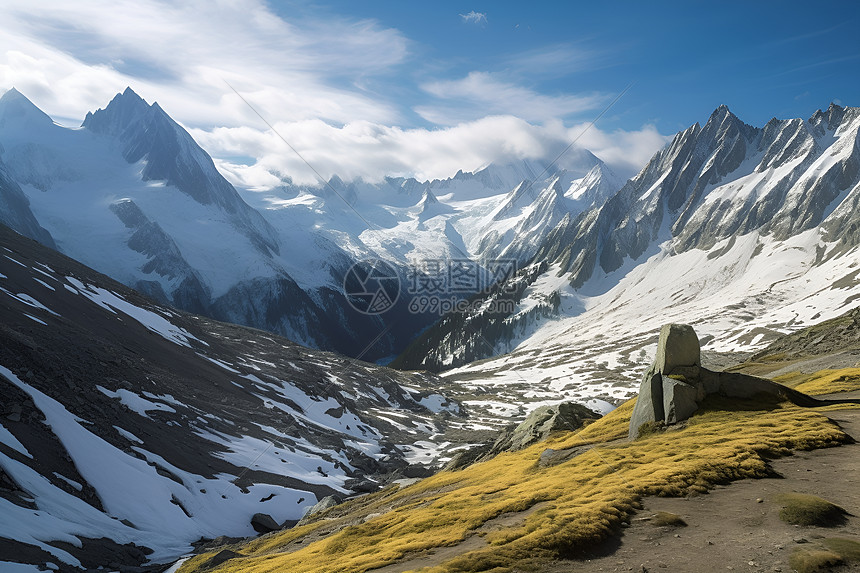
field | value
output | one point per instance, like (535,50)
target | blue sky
(369,88)
(762,59)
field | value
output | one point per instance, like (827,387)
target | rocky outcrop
(674,387)
(537,427)
(325,503)
(542,422)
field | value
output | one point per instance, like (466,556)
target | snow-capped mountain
(131,194)
(745,232)
(130,430)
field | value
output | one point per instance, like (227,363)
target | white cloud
(73,56)
(625,151)
(371,151)
(481,93)
(307,74)
(474,17)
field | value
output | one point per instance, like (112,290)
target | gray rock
(325,503)
(543,421)
(649,404)
(678,346)
(264,523)
(680,400)
(675,385)
(467,457)
(221,557)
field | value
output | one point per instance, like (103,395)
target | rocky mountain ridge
(727,190)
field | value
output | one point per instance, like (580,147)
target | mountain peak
(128,99)
(124,109)
(829,119)
(11,93)
(15,107)
(722,113)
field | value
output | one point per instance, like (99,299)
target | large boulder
(678,346)
(680,399)
(675,385)
(664,395)
(325,503)
(264,523)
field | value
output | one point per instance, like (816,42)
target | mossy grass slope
(806,509)
(830,552)
(582,501)
(823,381)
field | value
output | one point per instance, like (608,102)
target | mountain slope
(551,506)
(140,429)
(132,195)
(747,233)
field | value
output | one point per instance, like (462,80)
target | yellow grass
(585,498)
(823,381)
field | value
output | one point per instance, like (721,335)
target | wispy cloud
(481,93)
(474,17)
(180,54)
(557,60)
(312,76)
(371,151)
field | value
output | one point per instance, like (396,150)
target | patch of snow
(134,402)
(151,320)
(7,438)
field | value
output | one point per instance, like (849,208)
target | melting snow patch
(128,435)
(44,284)
(437,403)
(152,321)
(29,301)
(223,365)
(31,317)
(9,567)
(134,402)
(16,262)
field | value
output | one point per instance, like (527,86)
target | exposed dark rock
(264,523)
(219,558)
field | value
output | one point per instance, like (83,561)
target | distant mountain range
(131,194)
(746,232)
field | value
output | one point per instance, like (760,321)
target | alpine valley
(180,360)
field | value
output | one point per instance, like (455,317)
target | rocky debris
(264,523)
(675,385)
(325,503)
(537,427)
(467,457)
